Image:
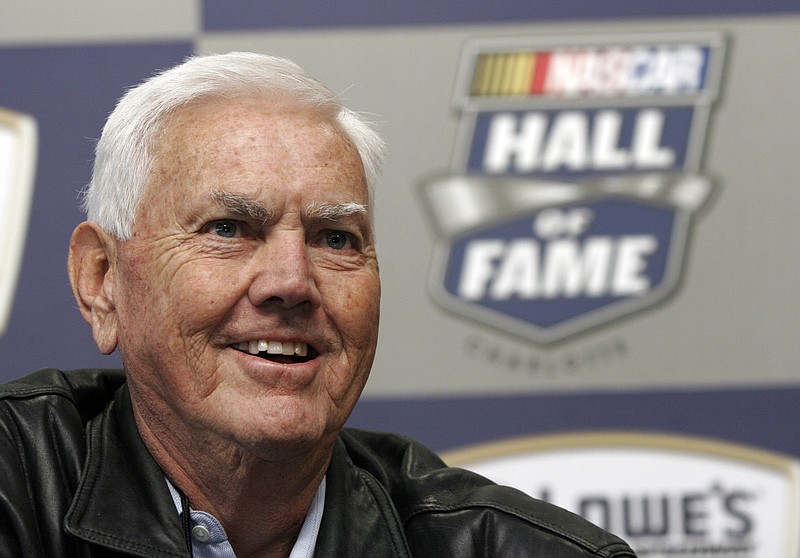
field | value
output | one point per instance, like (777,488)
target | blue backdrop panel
(222,15)
(754,417)
(85,82)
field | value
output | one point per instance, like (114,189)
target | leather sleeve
(16,516)
(486,529)
(40,460)
(448,511)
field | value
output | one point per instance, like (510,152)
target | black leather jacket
(77,481)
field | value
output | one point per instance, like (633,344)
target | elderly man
(229,256)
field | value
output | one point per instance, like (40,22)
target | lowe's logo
(570,200)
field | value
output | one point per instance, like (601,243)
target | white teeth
(273,347)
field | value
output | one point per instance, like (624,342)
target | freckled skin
(183,294)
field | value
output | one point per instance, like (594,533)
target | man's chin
(287,439)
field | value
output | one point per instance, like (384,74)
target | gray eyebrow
(334,211)
(242,205)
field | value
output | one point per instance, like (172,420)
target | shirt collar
(306,540)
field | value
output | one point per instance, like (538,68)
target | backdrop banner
(586,225)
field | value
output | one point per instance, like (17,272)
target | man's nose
(284,273)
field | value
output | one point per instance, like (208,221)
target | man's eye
(337,240)
(226,229)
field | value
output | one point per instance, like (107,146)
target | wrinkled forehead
(227,140)
(213,113)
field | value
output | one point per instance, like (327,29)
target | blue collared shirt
(209,539)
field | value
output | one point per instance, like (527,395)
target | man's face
(247,299)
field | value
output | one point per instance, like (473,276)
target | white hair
(124,153)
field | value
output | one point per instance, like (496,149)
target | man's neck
(261,503)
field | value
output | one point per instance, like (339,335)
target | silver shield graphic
(18,147)
(575,178)
(463,206)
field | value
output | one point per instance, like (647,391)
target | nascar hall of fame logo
(575,178)
(666,495)
(18,145)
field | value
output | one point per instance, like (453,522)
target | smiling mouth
(286,352)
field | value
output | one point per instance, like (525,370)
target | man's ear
(91,274)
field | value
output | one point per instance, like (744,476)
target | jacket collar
(359,517)
(122,501)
